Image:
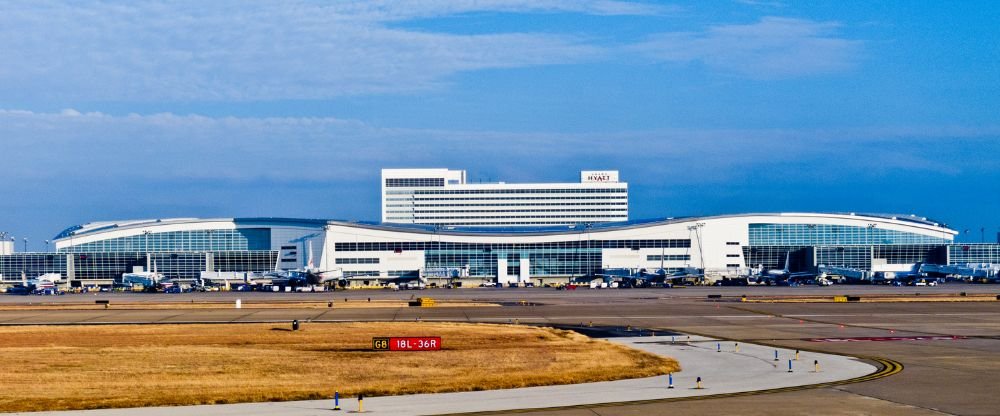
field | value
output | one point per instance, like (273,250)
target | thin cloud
(242,51)
(761,3)
(386,10)
(156,146)
(774,47)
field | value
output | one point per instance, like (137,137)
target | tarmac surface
(950,351)
(724,371)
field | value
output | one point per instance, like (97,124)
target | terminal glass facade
(910,254)
(241,239)
(104,266)
(973,253)
(833,235)
(111,265)
(31,265)
(245,261)
(854,257)
(568,258)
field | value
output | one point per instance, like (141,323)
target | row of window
(487,247)
(508,198)
(369,260)
(501,217)
(669,257)
(413,182)
(510,191)
(500,223)
(524,204)
(474,211)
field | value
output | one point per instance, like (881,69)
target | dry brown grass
(87,367)
(353,304)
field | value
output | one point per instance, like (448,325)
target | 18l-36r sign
(406,343)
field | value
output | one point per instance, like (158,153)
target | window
(732,243)
(357,261)
(669,257)
(413,182)
(732,255)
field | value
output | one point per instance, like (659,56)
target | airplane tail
(788,258)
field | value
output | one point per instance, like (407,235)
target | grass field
(87,367)
(246,304)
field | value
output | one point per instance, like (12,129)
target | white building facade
(444,197)
(727,245)
(372,254)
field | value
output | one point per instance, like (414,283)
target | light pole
(696,229)
(46,245)
(25,244)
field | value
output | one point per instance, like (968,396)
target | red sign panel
(406,343)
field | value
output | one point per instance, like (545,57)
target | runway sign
(406,343)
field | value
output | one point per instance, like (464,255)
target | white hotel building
(444,197)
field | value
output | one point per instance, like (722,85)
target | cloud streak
(71,143)
(242,51)
(772,48)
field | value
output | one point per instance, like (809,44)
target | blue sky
(114,110)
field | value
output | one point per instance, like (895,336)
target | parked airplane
(643,278)
(43,284)
(148,280)
(784,275)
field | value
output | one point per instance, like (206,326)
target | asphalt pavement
(950,351)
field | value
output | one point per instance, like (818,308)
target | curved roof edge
(101,226)
(912,221)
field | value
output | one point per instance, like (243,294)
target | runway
(954,376)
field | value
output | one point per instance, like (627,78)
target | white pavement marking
(752,368)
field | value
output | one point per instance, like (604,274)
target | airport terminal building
(438,226)
(370,254)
